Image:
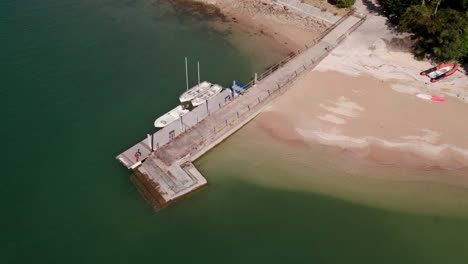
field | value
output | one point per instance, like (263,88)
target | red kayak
(437,99)
(440,72)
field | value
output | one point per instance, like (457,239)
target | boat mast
(186,73)
(198,66)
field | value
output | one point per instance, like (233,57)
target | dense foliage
(345,3)
(460,5)
(394,9)
(439,26)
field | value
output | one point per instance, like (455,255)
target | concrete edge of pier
(166,174)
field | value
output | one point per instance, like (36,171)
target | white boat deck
(170,116)
(214,90)
(195,91)
(439,72)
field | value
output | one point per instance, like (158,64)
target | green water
(83,80)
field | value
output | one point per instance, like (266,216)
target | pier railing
(257,99)
(265,96)
(294,54)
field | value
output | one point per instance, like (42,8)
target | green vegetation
(439,26)
(394,9)
(344,3)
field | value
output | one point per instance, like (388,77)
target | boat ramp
(162,163)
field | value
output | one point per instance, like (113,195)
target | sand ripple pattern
(343,107)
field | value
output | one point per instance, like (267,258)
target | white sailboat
(195,91)
(201,92)
(212,91)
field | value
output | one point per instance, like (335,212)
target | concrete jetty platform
(162,163)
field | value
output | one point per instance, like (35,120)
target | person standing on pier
(137,155)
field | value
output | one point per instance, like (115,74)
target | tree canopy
(460,5)
(394,9)
(439,26)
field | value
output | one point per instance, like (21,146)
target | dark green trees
(441,31)
(441,35)
(394,9)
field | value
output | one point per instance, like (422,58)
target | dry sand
(375,49)
(356,138)
(362,98)
(354,129)
(365,116)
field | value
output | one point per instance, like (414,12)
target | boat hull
(170,116)
(440,72)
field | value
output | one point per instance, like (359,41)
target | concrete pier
(162,163)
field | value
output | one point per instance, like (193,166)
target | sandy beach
(354,128)
(365,116)
(362,98)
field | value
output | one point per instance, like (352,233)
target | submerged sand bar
(164,171)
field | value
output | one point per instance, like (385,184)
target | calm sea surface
(82,80)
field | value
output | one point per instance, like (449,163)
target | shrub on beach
(344,3)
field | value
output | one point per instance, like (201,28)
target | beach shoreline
(367,119)
(364,102)
(363,96)
(334,172)
(289,30)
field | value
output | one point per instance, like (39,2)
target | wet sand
(286,28)
(366,117)
(258,157)
(354,129)
(355,138)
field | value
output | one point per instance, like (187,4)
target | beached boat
(430,97)
(195,91)
(440,72)
(212,91)
(170,116)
